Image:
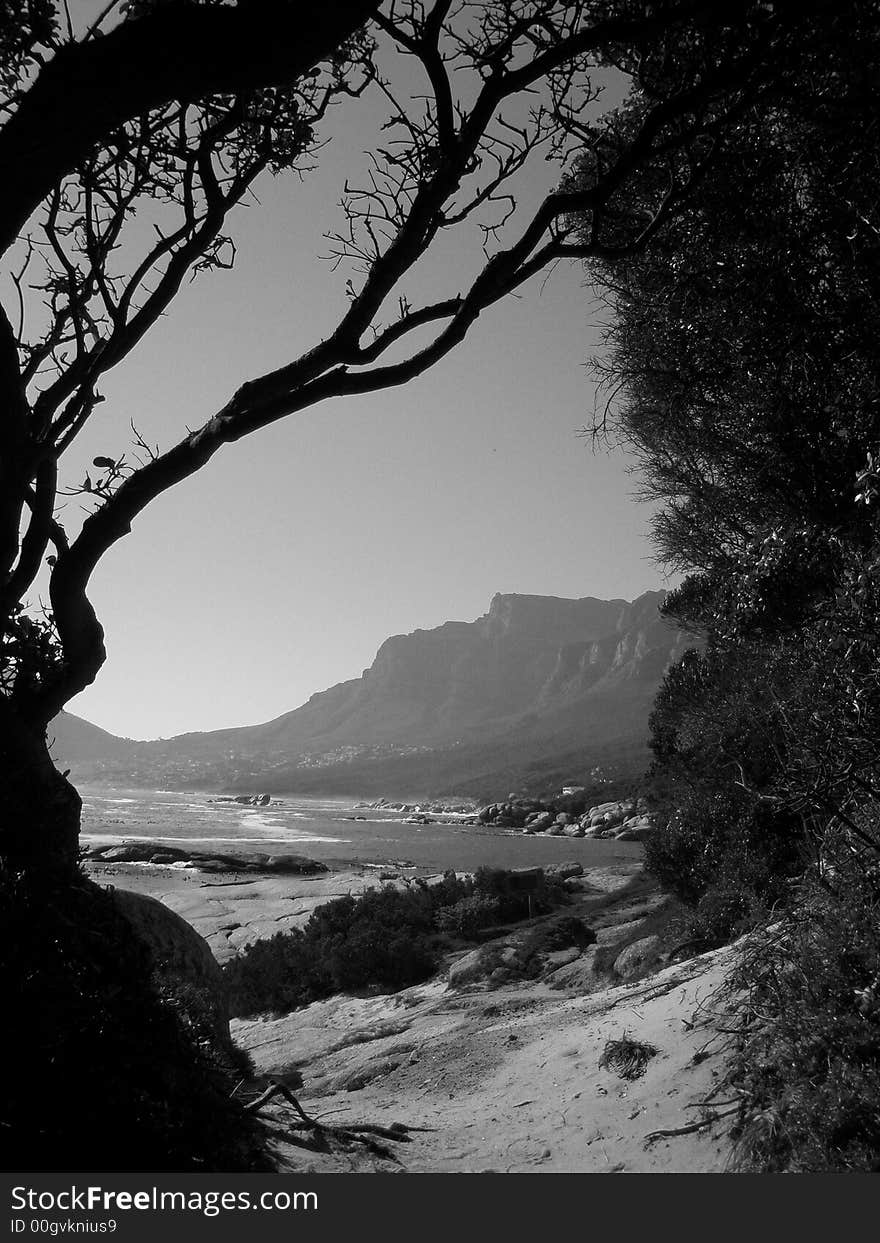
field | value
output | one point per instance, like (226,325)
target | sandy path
(509,1080)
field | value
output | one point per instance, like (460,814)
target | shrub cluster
(810,1072)
(385,939)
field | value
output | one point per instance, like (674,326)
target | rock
(577,975)
(541,820)
(215,865)
(636,832)
(555,830)
(564,818)
(573,830)
(562,871)
(473,966)
(181,961)
(299,865)
(638,958)
(262,800)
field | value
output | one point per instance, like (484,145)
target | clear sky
(281,567)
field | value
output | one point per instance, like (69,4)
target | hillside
(535,685)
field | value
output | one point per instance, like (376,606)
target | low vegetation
(387,939)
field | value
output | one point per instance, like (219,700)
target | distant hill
(73,739)
(536,683)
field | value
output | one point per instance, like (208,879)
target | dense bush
(810,1070)
(565,933)
(386,939)
(745,378)
(468,916)
(95,1053)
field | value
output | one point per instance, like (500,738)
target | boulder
(181,961)
(562,871)
(635,831)
(555,830)
(541,820)
(637,959)
(477,965)
(564,818)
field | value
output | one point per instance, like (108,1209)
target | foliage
(386,939)
(468,916)
(810,1068)
(566,932)
(745,377)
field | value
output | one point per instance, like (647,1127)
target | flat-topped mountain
(535,676)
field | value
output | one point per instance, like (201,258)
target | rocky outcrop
(246,800)
(623,820)
(181,961)
(638,958)
(253,861)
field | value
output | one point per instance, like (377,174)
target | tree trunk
(39,808)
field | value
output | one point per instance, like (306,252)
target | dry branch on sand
(327,1137)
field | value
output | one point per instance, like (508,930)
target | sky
(281,567)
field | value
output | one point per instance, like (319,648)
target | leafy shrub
(811,1069)
(568,931)
(516,902)
(469,915)
(386,939)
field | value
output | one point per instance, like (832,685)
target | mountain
(73,739)
(537,684)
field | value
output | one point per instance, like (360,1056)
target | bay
(332,830)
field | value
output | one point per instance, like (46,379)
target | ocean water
(326,830)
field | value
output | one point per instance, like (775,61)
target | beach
(502,1078)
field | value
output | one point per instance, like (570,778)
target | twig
(708,1121)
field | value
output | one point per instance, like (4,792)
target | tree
(195,101)
(742,340)
(743,357)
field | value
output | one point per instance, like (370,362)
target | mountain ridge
(533,674)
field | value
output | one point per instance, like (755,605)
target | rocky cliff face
(533,668)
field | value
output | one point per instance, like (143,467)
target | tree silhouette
(169,116)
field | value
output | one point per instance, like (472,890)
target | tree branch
(180,52)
